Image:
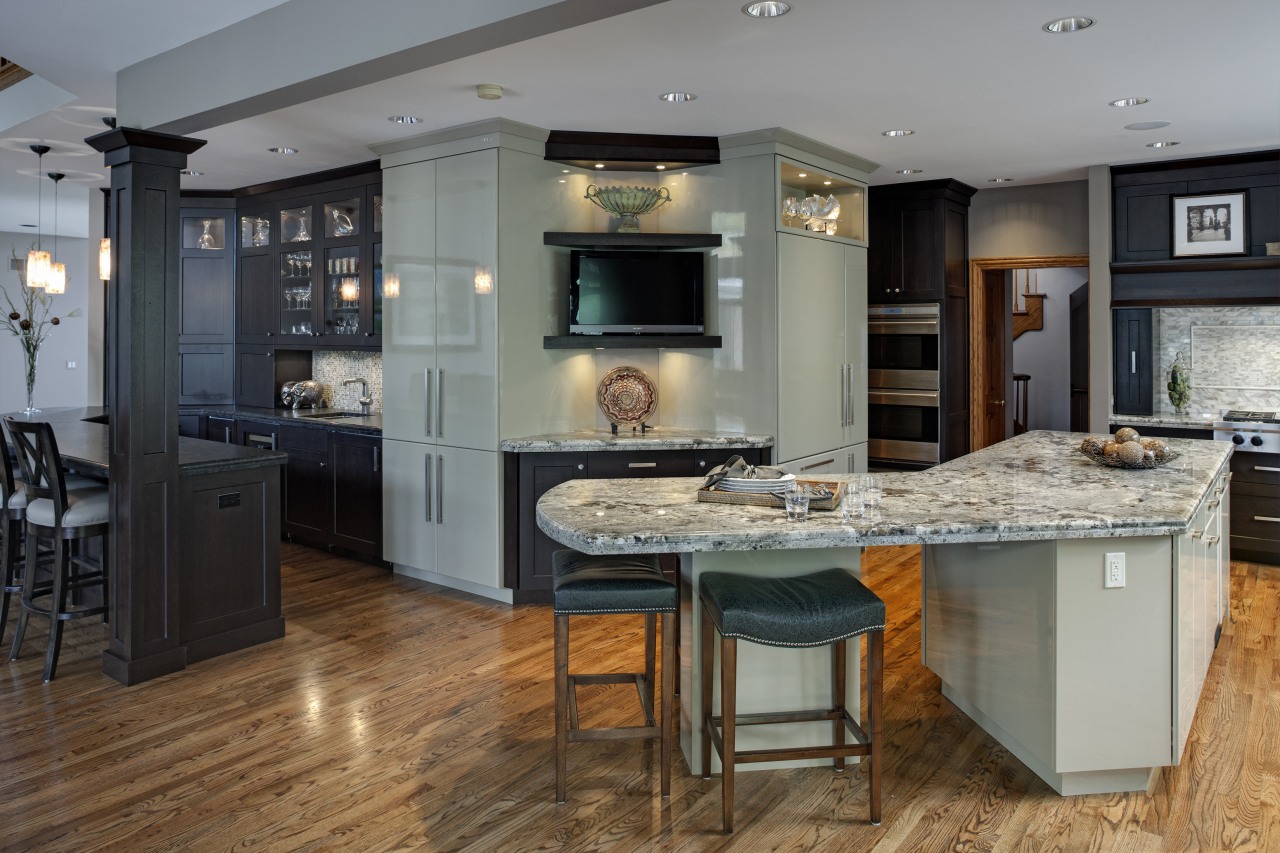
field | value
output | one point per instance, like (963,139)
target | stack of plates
(755,487)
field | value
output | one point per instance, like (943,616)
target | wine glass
(342,325)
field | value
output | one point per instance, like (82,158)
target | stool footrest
(606,677)
(620,733)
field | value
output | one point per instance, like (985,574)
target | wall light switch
(1113,571)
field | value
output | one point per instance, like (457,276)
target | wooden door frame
(978,268)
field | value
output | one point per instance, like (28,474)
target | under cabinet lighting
(660,167)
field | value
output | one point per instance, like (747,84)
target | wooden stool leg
(837,697)
(875,696)
(28,590)
(707,663)
(728,709)
(61,569)
(562,703)
(650,653)
(668,696)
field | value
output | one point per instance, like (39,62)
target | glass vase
(31,384)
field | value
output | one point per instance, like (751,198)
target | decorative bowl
(627,203)
(1111,462)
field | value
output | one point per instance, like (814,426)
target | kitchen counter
(1191,420)
(658,438)
(371,424)
(1070,609)
(1031,487)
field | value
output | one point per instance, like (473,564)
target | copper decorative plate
(627,396)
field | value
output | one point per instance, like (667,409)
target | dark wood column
(142,395)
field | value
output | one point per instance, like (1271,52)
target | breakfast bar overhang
(1092,686)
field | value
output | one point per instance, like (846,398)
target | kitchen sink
(324,416)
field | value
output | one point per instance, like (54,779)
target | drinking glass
(851,504)
(797,499)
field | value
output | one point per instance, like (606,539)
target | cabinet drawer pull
(375,460)
(1266,518)
(227,434)
(1213,503)
(1133,361)
(1267,468)
(1196,534)
(642,464)
(1211,540)
(426,484)
(819,464)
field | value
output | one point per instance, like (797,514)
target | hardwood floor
(399,716)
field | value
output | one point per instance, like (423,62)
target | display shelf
(593,240)
(1237,262)
(631,342)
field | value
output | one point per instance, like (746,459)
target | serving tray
(716,496)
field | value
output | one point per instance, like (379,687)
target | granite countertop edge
(659,438)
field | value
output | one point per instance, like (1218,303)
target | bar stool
(612,584)
(67,517)
(818,609)
(13,512)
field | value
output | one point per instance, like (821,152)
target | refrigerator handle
(440,489)
(426,400)
(440,404)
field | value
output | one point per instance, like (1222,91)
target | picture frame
(1206,225)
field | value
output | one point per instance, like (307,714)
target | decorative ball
(1131,453)
(1126,434)
(1110,449)
(1093,445)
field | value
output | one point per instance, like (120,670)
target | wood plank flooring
(395,715)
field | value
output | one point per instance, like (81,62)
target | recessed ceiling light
(767,9)
(1127,102)
(826,183)
(802,175)
(404,119)
(1146,125)
(660,167)
(489,91)
(1070,24)
(564,171)
(191,172)
(599,165)
(897,133)
(999,180)
(562,180)
(677,97)
(282,149)
(910,171)
(1162,144)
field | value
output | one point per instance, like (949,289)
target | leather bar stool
(819,609)
(68,517)
(613,584)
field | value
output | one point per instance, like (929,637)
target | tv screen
(635,293)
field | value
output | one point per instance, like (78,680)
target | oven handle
(881,397)
(894,326)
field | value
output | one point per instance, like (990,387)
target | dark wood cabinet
(261,371)
(191,425)
(1255,507)
(221,429)
(530,475)
(255,301)
(206,300)
(308,491)
(1131,361)
(356,465)
(206,374)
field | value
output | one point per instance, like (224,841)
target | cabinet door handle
(426,401)
(227,433)
(1133,361)
(853,410)
(1211,540)
(581,467)
(830,461)
(324,464)
(702,463)
(1266,518)
(1196,534)
(1213,503)
(440,489)
(642,464)
(426,485)
(440,403)
(850,463)
(375,460)
(1268,469)
(844,395)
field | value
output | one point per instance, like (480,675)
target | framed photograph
(1208,225)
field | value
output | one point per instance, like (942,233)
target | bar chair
(68,517)
(825,608)
(613,584)
(13,512)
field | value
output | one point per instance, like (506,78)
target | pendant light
(38,261)
(57,279)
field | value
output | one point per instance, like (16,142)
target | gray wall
(1033,221)
(1042,354)
(56,384)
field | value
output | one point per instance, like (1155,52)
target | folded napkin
(737,469)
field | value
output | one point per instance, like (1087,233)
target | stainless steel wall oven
(902,383)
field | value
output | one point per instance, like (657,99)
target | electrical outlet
(1113,570)
(71,365)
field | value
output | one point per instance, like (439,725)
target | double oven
(902,384)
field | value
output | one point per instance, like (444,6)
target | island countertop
(658,438)
(1031,487)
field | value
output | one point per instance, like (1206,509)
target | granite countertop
(1191,420)
(301,417)
(1032,487)
(83,445)
(657,438)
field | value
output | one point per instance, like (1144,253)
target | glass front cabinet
(310,273)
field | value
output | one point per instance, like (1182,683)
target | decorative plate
(627,396)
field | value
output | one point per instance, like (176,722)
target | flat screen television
(636,293)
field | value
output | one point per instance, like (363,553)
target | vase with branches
(30,319)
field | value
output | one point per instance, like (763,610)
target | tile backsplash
(1234,355)
(330,368)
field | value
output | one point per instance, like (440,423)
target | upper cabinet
(819,203)
(309,267)
(207,265)
(921,241)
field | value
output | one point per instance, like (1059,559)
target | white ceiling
(988,93)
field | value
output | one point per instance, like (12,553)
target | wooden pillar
(142,396)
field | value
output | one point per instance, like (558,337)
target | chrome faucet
(365,400)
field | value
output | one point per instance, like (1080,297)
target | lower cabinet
(1255,519)
(356,463)
(842,460)
(221,429)
(441,511)
(527,476)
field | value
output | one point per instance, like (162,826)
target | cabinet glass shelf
(798,181)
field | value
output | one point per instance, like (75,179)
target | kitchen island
(1093,687)
(228,584)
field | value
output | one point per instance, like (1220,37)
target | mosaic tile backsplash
(1234,354)
(330,368)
